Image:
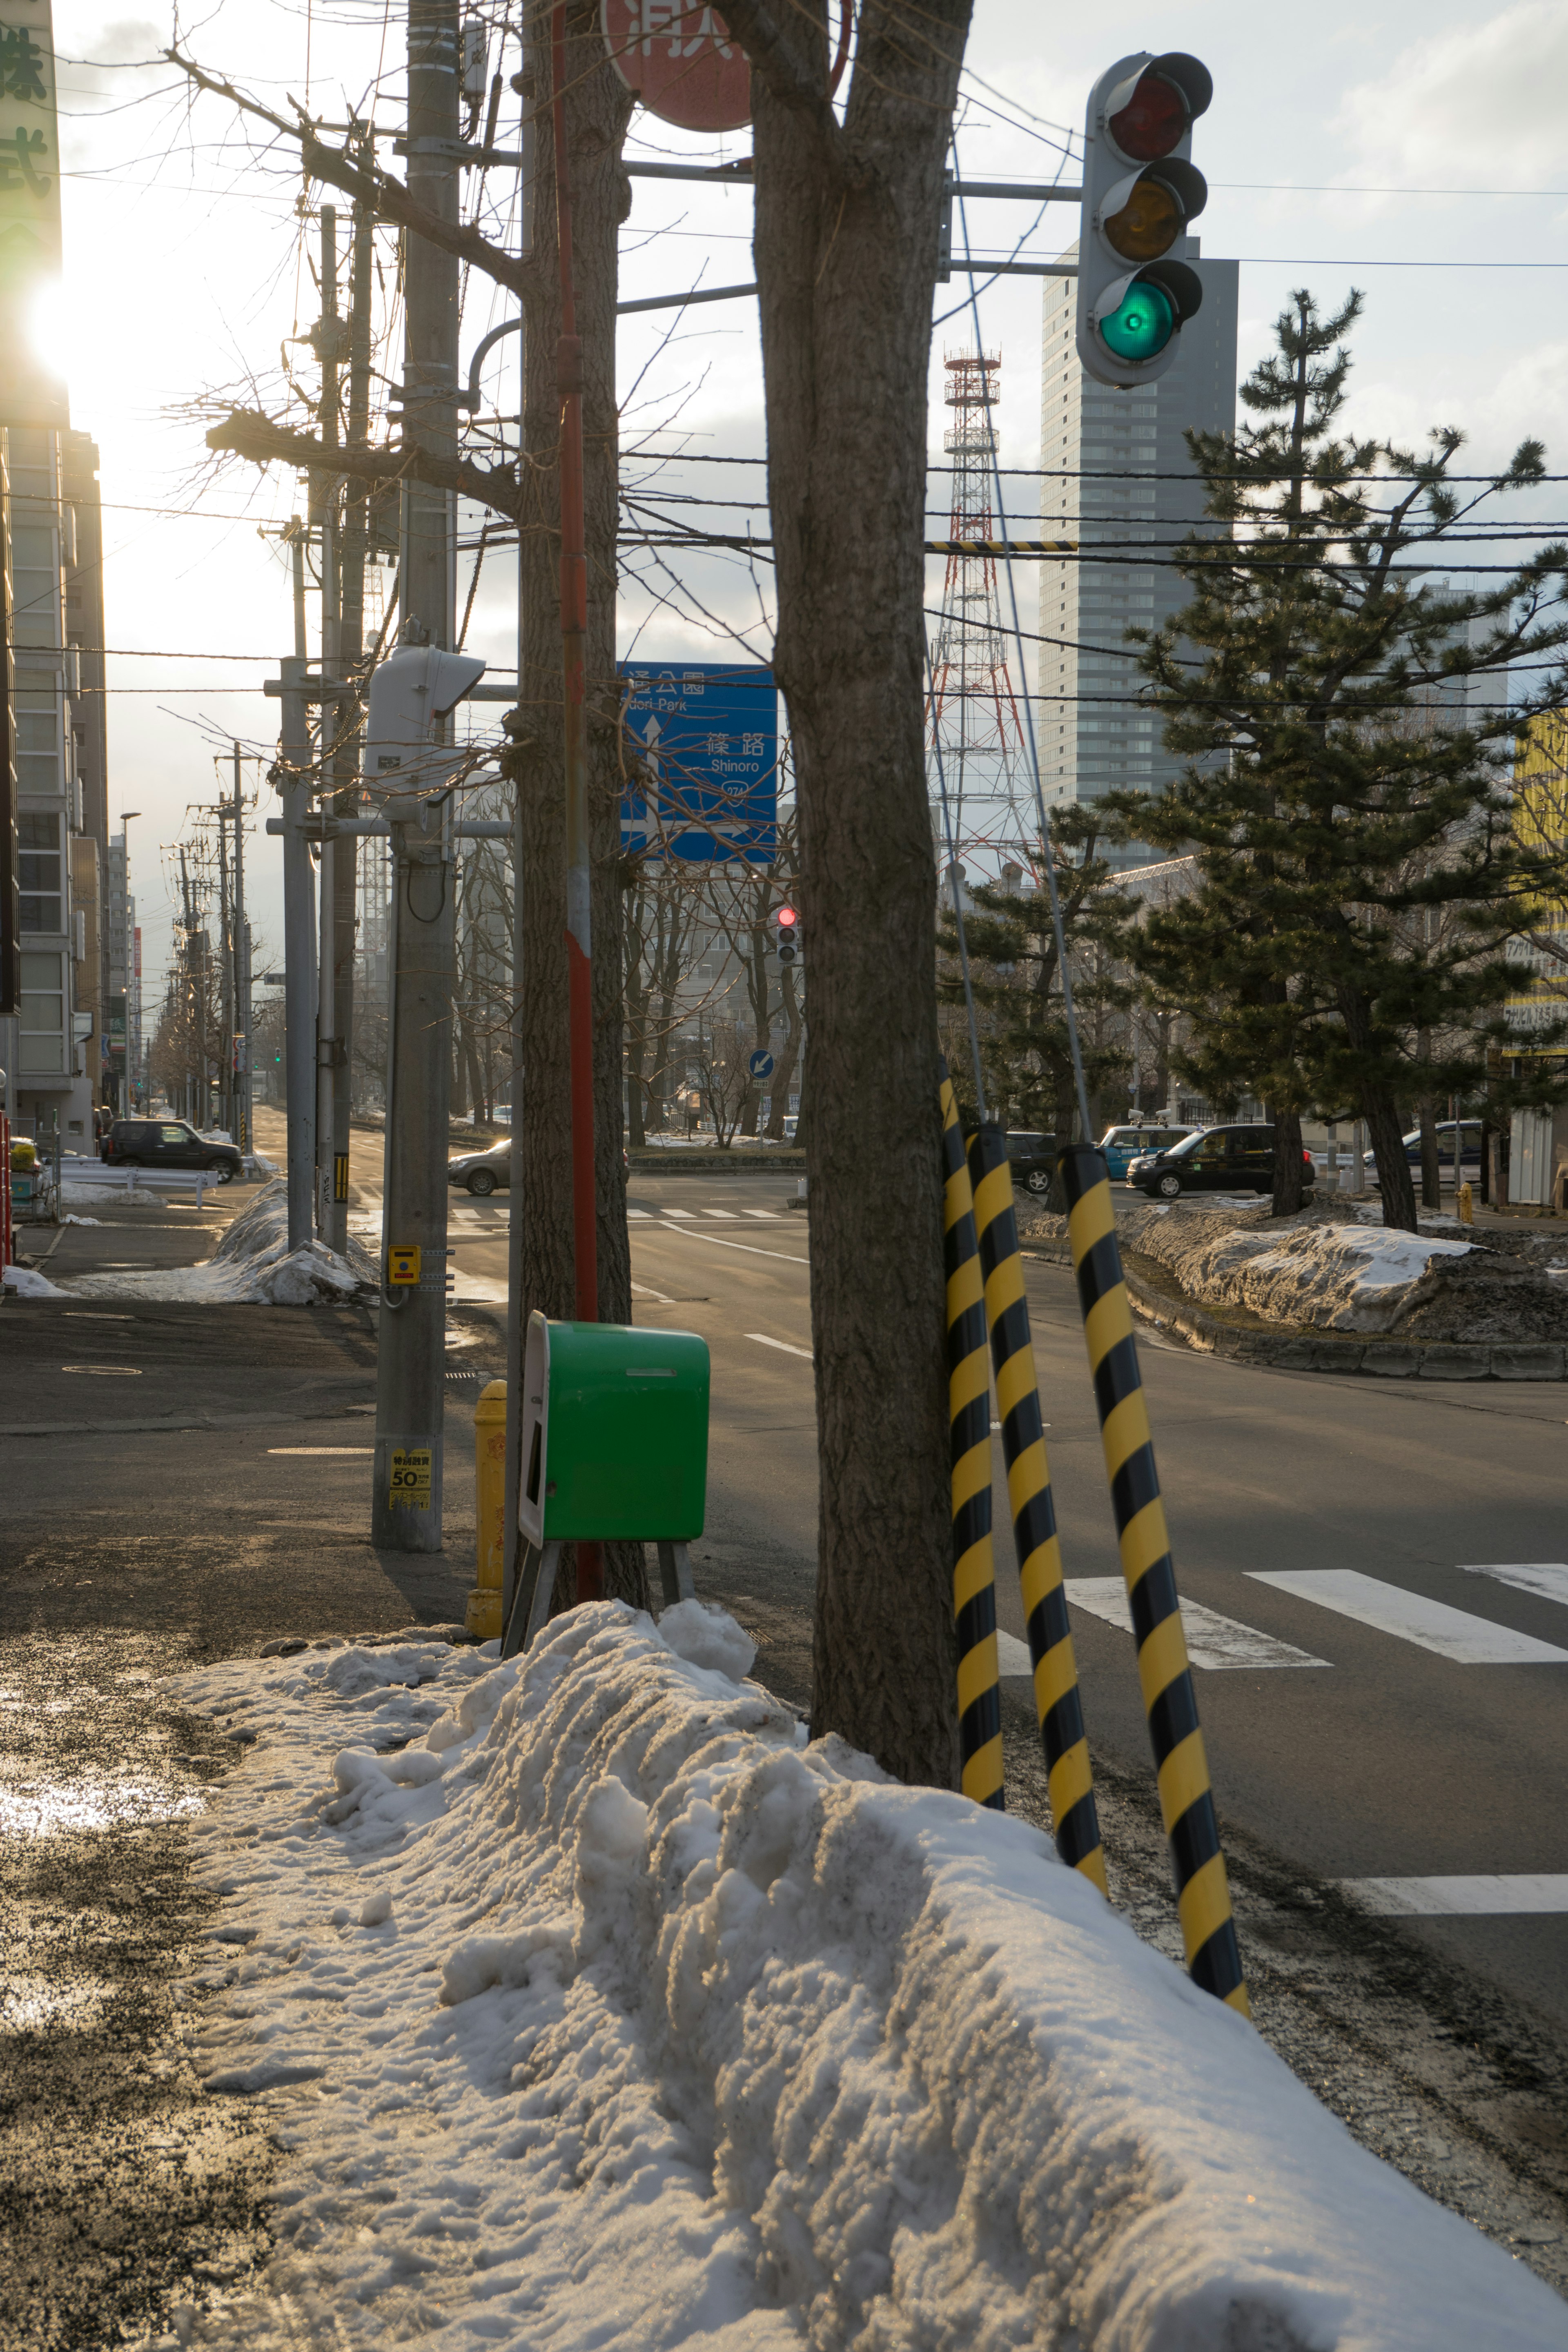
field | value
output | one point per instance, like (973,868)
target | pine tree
(1346,803)
(1015,975)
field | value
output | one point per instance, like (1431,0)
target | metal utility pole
(241,974)
(411,1354)
(298,951)
(226,980)
(324,490)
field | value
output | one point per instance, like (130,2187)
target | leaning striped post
(1056,1700)
(1169,1704)
(969,1406)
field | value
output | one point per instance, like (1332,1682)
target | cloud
(101,69)
(1481,107)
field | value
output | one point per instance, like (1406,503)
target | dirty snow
(252,1262)
(26,1283)
(591,2009)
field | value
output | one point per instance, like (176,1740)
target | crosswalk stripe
(1455,1899)
(645,1213)
(771,1214)
(678,1213)
(1219,1645)
(1547,1580)
(1411,1617)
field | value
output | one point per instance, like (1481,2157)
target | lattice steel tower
(972,717)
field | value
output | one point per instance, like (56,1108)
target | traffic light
(789,934)
(1140,190)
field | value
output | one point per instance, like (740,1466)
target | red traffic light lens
(1153,121)
(787,919)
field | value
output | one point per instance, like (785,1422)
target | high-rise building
(1117,475)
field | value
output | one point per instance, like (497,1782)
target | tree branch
(388,199)
(796,79)
(246,433)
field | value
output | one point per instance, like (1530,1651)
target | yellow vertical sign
(30,393)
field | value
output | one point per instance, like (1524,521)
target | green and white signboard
(30,394)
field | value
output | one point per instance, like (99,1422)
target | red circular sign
(682,61)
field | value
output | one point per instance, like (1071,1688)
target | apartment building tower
(1116,475)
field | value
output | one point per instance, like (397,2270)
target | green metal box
(615,1433)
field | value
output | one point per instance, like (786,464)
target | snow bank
(618,2017)
(253,1264)
(26,1283)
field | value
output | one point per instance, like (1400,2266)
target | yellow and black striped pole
(968,1404)
(1056,1700)
(1169,1704)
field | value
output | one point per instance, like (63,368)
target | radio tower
(974,714)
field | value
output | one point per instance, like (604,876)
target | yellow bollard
(483,1614)
(1465,1204)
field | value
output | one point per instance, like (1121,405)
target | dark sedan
(482,1171)
(1217,1159)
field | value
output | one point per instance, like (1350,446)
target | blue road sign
(707,743)
(761,1063)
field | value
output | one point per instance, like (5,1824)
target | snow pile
(28,1285)
(1338,1277)
(252,1263)
(595,2009)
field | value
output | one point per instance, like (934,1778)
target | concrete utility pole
(324,490)
(298,951)
(411,1355)
(241,974)
(226,980)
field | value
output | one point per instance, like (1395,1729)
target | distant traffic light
(789,934)
(1140,190)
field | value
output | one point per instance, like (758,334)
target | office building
(1113,464)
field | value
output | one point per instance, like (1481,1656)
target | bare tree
(847,208)
(718,1060)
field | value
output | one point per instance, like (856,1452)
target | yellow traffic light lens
(1148,223)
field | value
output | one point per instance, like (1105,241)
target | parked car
(482,1171)
(1121,1146)
(170,1143)
(1213,1160)
(1469,1134)
(1032,1157)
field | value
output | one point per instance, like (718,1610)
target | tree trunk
(1431,1167)
(597,110)
(845,242)
(1386,1131)
(1290,1168)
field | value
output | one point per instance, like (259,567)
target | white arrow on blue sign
(705,744)
(760,1064)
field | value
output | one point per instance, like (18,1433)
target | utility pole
(291,777)
(324,490)
(355,549)
(411,1364)
(241,974)
(226,980)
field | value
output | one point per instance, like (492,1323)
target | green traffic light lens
(1142,322)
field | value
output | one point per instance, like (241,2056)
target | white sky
(183,277)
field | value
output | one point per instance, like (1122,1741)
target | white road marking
(1219,1645)
(678,1213)
(728,1214)
(1460,1898)
(1547,1580)
(320,1449)
(716,1240)
(771,1214)
(1410,1617)
(639,1212)
(762,1340)
(641,1290)
(1014,1656)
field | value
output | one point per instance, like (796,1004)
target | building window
(37,739)
(39,841)
(43,1015)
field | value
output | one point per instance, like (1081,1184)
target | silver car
(483,1171)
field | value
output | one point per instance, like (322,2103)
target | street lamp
(125,816)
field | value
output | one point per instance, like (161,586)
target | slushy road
(1384,1712)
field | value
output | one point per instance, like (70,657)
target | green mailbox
(613,1448)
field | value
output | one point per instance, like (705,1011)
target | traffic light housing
(789,934)
(1140,189)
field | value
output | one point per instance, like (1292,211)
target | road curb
(1327,1351)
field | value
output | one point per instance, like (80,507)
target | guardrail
(103,1177)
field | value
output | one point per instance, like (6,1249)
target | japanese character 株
(21,64)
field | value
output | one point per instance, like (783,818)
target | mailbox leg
(530,1602)
(675,1574)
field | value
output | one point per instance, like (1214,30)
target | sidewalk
(182,1484)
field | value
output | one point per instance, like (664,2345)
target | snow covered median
(1337,1277)
(594,2009)
(252,1262)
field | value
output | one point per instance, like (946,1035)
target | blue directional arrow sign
(761,1063)
(702,746)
